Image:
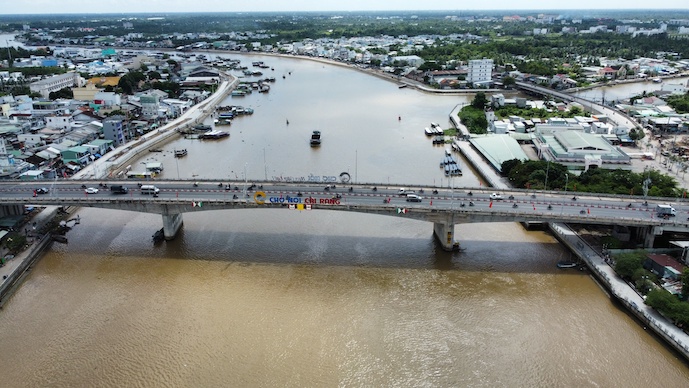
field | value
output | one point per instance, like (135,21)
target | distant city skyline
(165,6)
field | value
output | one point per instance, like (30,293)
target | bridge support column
(651,233)
(171,225)
(444,232)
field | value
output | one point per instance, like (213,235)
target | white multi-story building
(55,83)
(480,71)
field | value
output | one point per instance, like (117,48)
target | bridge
(444,207)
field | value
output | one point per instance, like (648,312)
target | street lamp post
(566,183)
(547,170)
(245,179)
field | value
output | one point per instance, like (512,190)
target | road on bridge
(327,196)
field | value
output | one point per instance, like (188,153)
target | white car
(495,196)
(91,190)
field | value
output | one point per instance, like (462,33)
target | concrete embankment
(15,269)
(622,291)
(618,289)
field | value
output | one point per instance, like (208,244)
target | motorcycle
(550,207)
(374,188)
(471,203)
(386,200)
(511,197)
(470,193)
(196,184)
(514,205)
(630,205)
(351,189)
(435,191)
(574,198)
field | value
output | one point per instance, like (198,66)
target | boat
(224,122)
(59,238)
(202,127)
(158,236)
(315,138)
(238,93)
(155,150)
(213,135)
(402,86)
(180,153)
(428,131)
(566,264)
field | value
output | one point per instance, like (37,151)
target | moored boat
(180,153)
(214,134)
(566,264)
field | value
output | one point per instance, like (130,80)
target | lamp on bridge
(566,183)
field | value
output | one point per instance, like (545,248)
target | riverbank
(605,275)
(15,269)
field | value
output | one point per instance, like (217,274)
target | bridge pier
(171,225)
(650,235)
(444,232)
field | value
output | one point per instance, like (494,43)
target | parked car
(91,190)
(495,196)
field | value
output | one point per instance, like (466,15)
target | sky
(158,6)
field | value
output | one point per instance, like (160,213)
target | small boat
(202,127)
(566,264)
(155,150)
(59,238)
(180,153)
(402,86)
(213,135)
(158,236)
(315,138)
(428,131)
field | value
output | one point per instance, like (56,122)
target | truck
(118,189)
(665,211)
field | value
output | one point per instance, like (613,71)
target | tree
(508,81)
(508,165)
(685,282)
(626,264)
(154,75)
(62,93)
(480,101)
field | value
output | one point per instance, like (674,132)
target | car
(91,190)
(403,192)
(495,196)
(414,198)
(41,190)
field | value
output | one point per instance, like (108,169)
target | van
(149,189)
(118,189)
(413,198)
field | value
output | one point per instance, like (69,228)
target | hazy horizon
(39,7)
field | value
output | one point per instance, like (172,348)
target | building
(480,71)
(113,129)
(53,84)
(150,106)
(571,146)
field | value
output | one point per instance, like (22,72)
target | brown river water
(275,298)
